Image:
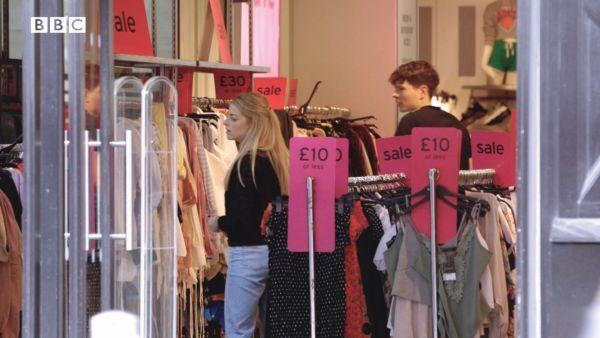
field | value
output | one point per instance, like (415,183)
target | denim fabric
(245,286)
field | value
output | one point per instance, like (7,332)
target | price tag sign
(217,15)
(341,167)
(394,154)
(293,92)
(273,88)
(185,82)
(494,150)
(230,84)
(316,158)
(435,148)
(131,34)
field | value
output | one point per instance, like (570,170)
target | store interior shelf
(491,87)
(200,66)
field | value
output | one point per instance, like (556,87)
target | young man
(414,85)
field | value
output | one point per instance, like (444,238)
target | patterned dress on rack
(288,313)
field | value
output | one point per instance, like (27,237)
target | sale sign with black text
(131,34)
(273,88)
(495,150)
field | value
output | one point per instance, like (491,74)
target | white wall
(445,47)
(350,45)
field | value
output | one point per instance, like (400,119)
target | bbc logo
(66,24)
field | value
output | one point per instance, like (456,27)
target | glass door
(145,209)
(158,186)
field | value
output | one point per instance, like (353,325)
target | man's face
(408,97)
(92,100)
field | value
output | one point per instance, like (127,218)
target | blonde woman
(259,174)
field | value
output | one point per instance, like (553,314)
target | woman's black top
(245,205)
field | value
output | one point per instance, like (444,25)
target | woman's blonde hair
(264,136)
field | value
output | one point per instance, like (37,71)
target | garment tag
(449,272)
(447,277)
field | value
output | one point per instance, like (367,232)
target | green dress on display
(461,263)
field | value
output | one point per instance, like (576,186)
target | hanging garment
(195,258)
(11,272)
(372,279)
(358,158)
(128,261)
(460,266)
(285,121)
(288,312)
(8,187)
(18,178)
(227,146)
(490,228)
(370,146)
(188,128)
(411,290)
(204,167)
(382,247)
(357,321)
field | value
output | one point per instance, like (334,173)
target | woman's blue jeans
(245,296)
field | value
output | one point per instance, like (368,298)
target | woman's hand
(213,223)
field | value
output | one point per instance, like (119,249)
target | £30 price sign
(435,148)
(229,84)
(316,158)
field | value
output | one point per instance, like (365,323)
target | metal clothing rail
(479,176)
(311,256)
(376,179)
(433,174)
(328,111)
(205,103)
(376,183)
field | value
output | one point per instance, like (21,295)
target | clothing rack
(386,178)
(376,182)
(206,103)
(327,111)
(478,176)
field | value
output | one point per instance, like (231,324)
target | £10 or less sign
(437,148)
(273,88)
(316,158)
